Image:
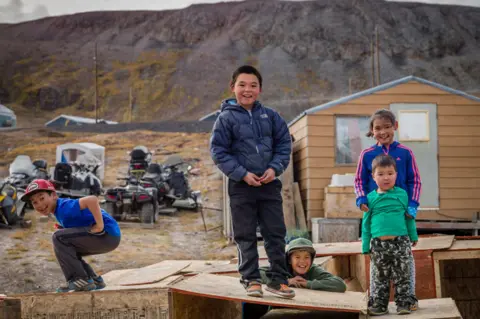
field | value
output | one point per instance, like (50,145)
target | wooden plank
(301,133)
(228,288)
(321,131)
(299,211)
(458,120)
(314,213)
(452,151)
(449,99)
(460,204)
(456,110)
(320,120)
(413,89)
(288,201)
(449,183)
(459,193)
(319,162)
(321,141)
(340,200)
(338,266)
(458,131)
(299,144)
(468,309)
(318,183)
(318,194)
(315,204)
(113,277)
(468,172)
(358,269)
(444,308)
(445,162)
(465,244)
(151,274)
(458,141)
(461,288)
(353,284)
(446,214)
(10,308)
(314,151)
(354,109)
(165,283)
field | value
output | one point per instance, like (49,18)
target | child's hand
(268,176)
(364,208)
(252,179)
(297,282)
(96,229)
(414,243)
(57,226)
(412,212)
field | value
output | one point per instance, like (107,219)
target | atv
(76,180)
(173,190)
(132,200)
(140,158)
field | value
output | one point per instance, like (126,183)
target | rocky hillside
(178,62)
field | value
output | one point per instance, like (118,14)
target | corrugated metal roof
(80,119)
(382,87)
(6,111)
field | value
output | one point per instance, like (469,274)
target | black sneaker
(99,283)
(404,309)
(78,285)
(377,310)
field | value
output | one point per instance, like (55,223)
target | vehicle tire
(111,209)
(147,213)
(11,218)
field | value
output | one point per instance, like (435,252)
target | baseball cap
(36,186)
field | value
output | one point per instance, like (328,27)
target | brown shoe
(281,290)
(254,289)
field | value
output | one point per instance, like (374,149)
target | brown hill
(178,62)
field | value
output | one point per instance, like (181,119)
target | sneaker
(377,310)
(254,289)
(414,306)
(404,309)
(282,290)
(99,283)
(78,285)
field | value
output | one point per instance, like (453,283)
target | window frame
(427,125)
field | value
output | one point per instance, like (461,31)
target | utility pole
(96,83)
(130,99)
(378,55)
(372,58)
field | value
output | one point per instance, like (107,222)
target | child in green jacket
(303,273)
(387,235)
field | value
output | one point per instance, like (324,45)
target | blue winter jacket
(408,175)
(242,142)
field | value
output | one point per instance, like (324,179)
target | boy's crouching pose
(85,229)
(388,236)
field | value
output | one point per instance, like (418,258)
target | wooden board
(151,274)
(355,247)
(468,244)
(165,283)
(299,211)
(429,309)
(228,288)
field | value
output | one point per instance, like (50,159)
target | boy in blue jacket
(85,229)
(383,125)
(251,145)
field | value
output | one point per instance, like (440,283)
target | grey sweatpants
(71,244)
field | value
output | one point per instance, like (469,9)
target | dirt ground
(27,259)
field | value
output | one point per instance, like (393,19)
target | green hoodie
(317,278)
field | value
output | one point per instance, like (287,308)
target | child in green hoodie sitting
(303,273)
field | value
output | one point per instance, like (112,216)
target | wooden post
(372,52)
(11,308)
(378,55)
(288,204)
(96,83)
(299,212)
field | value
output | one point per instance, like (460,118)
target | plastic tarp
(87,153)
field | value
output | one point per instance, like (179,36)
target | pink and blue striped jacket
(408,176)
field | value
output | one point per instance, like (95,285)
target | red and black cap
(36,186)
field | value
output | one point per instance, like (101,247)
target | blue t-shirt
(69,215)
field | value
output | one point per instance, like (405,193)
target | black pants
(263,205)
(71,244)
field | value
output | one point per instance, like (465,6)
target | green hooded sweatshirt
(317,278)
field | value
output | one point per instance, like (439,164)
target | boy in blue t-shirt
(85,229)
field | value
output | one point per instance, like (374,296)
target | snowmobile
(173,190)
(132,200)
(22,171)
(140,158)
(76,180)
(9,213)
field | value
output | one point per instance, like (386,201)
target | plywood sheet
(165,283)
(429,309)
(355,247)
(228,288)
(112,277)
(151,274)
(468,244)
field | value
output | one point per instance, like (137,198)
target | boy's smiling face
(301,261)
(246,89)
(44,202)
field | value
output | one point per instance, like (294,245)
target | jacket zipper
(253,128)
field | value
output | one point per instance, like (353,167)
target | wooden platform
(429,309)
(215,288)
(355,247)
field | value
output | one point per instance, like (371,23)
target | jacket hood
(300,244)
(231,104)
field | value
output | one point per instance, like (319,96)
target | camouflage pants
(391,260)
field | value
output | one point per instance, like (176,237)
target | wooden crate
(334,230)
(340,202)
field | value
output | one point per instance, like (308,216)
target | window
(413,126)
(351,138)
